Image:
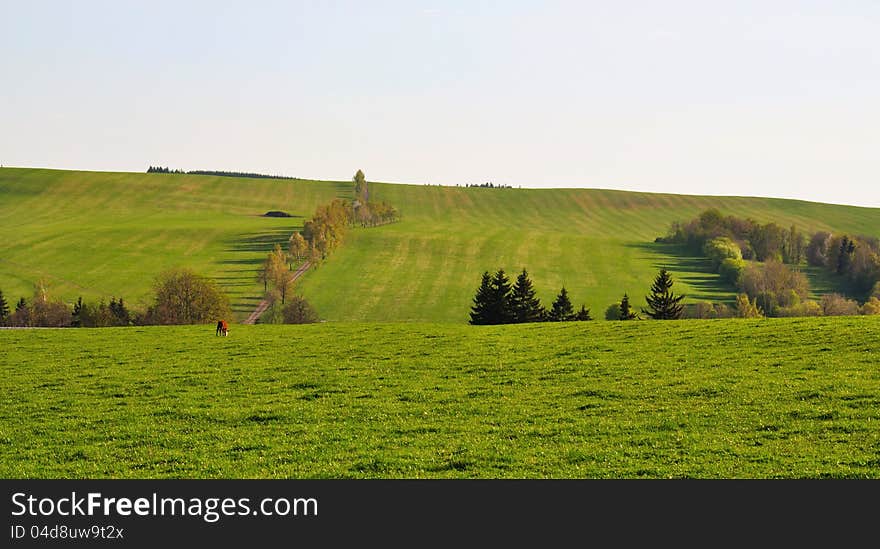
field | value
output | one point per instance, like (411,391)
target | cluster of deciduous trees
(760,242)
(277,274)
(185,297)
(326,230)
(278,279)
(773,284)
(854,258)
(320,235)
(773,280)
(832,304)
(372,214)
(42,310)
(367,213)
(497,301)
(181,297)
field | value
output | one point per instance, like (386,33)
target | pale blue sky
(759,98)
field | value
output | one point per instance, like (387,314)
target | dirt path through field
(264,304)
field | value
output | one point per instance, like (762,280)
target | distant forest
(160,169)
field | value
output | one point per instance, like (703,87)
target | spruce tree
(845,255)
(77,313)
(525,306)
(4,309)
(120,312)
(626,312)
(22,315)
(562,309)
(583,314)
(499,309)
(479,310)
(662,303)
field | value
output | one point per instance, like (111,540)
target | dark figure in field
(222,327)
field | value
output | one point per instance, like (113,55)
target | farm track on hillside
(264,304)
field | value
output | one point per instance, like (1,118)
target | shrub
(722,310)
(702,310)
(773,285)
(805,308)
(871,307)
(731,269)
(299,311)
(818,248)
(51,314)
(184,297)
(747,308)
(837,305)
(47,312)
(274,312)
(613,312)
(719,249)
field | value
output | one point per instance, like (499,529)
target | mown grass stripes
(108,234)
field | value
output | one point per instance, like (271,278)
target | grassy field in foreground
(108,234)
(720,398)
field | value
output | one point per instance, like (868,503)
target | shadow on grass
(696,271)
(824,282)
(261,242)
(246,253)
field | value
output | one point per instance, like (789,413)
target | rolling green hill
(108,234)
(778,397)
(101,234)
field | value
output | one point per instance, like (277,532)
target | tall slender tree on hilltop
(360,187)
(626,312)
(524,304)
(562,309)
(662,303)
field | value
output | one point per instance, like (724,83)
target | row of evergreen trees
(221,173)
(499,302)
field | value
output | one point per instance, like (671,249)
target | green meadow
(100,234)
(770,398)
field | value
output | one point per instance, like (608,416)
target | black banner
(171,513)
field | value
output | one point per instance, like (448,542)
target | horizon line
(459,185)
